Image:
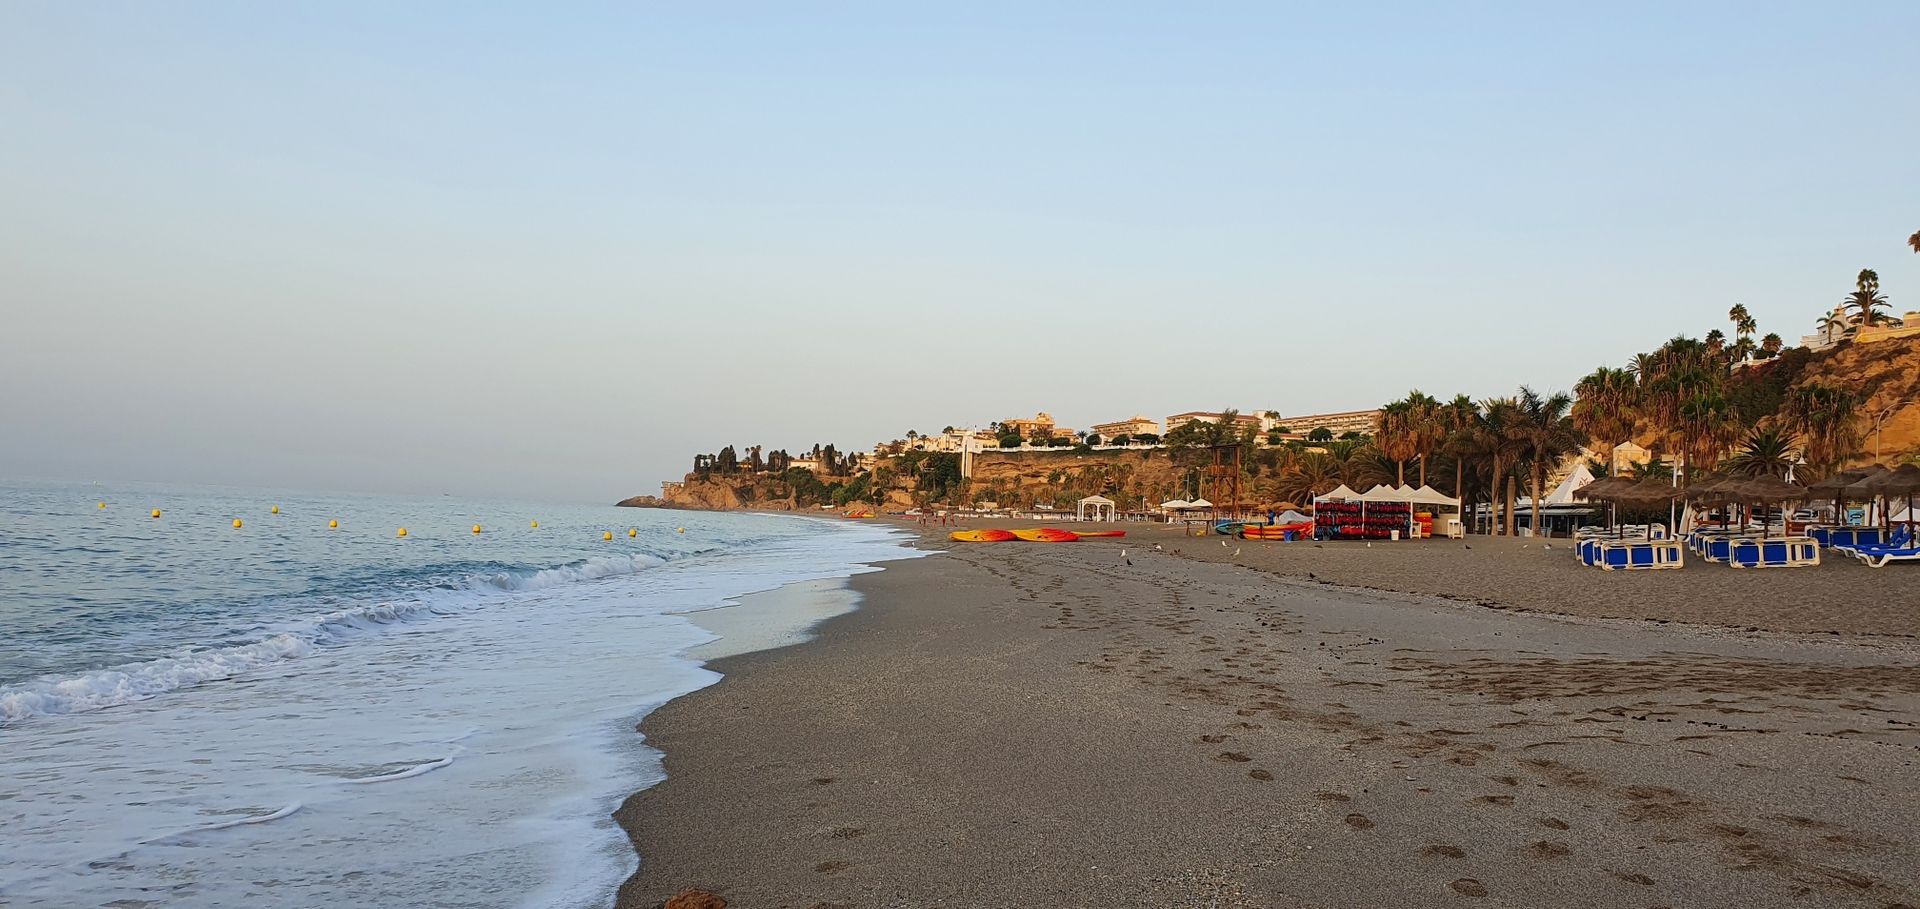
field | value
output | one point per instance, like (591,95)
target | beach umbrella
(1649,492)
(1603,489)
(1865,489)
(1767,490)
(1903,481)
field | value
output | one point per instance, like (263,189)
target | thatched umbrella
(1603,490)
(1649,492)
(1840,486)
(1768,491)
(1713,491)
(1902,481)
(1866,489)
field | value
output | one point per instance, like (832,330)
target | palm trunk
(1423,469)
(1539,478)
(1493,501)
(1508,504)
(1460,483)
(1400,471)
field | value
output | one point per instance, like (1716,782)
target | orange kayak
(1047,535)
(981,536)
(1083,534)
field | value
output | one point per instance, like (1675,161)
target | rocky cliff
(1887,374)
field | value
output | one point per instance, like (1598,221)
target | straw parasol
(1650,491)
(1766,490)
(1839,487)
(1603,488)
(1902,481)
(1711,489)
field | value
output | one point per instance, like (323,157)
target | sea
(307,709)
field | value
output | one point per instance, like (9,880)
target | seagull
(1223,544)
(1236,552)
(1468,545)
(1156,547)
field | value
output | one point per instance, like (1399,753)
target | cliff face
(716,492)
(1023,478)
(1887,373)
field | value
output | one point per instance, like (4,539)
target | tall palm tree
(1429,428)
(1461,417)
(1825,418)
(1831,324)
(1548,431)
(1498,439)
(1394,435)
(1716,342)
(1866,298)
(1771,344)
(1743,322)
(1606,407)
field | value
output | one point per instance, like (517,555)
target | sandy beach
(1034,725)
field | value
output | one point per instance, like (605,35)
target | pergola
(1096,503)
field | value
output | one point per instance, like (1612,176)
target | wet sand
(1035,725)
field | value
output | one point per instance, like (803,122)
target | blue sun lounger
(1773,552)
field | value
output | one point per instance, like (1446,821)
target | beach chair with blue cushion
(1902,538)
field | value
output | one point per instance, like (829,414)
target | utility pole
(1880,420)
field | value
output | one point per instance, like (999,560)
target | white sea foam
(130,682)
(406,774)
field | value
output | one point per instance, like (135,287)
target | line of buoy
(156,512)
(236,523)
(608,535)
(476,528)
(274,510)
(333,525)
(401,533)
(633,531)
(103,504)
(535,525)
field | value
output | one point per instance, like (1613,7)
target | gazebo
(1099,505)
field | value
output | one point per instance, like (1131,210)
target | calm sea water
(283,714)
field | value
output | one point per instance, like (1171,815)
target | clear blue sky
(553,252)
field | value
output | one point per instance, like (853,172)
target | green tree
(1320,434)
(1866,301)
(1606,408)
(1770,345)
(1547,429)
(1766,451)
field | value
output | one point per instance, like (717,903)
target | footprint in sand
(1332,797)
(1554,822)
(831,867)
(1359,822)
(1232,757)
(1260,775)
(1212,739)
(1443,850)
(1495,800)
(1467,886)
(1546,849)
(1633,878)
(847,833)
(822,780)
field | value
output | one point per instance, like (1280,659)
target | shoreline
(998,725)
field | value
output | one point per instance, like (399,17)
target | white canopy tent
(1427,495)
(1099,504)
(1175,504)
(1339,493)
(1384,494)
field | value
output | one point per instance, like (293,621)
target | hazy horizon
(553,254)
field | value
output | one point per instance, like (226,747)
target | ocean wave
(127,683)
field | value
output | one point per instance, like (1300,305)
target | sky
(553,251)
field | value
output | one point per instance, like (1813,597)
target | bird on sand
(1236,553)
(1223,544)
(1123,557)
(1156,547)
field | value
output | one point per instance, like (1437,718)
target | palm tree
(1716,342)
(1771,344)
(1548,431)
(1743,322)
(1831,324)
(1914,241)
(1497,438)
(1824,417)
(1742,350)
(1767,451)
(1866,298)
(1605,406)
(1394,434)
(1309,475)
(1461,417)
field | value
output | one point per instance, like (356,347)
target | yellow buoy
(535,525)
(683,530)
(633,531)
(476,528)
(103,504)
(401,533)
(236,522)
(156,512)
(333,525)
(274,510)
(607,536)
